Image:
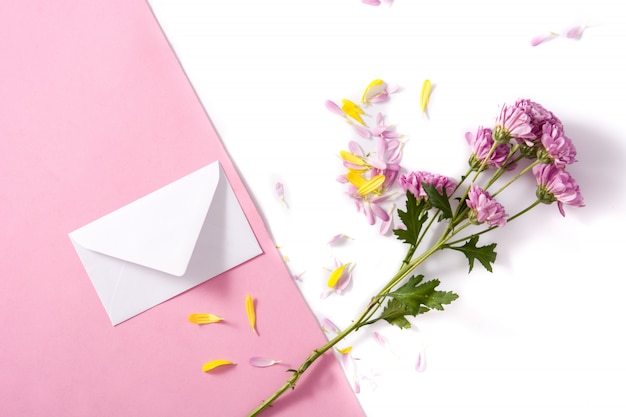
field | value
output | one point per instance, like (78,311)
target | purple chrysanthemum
(555,184)
(539,116)
(512,123)
(484,209)
(413,183)
(481,144)
(556,147)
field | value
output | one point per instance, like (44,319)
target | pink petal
(381,340)
(420,365)
(380,212)
(371,2)
(575,32)
(361,131)
(328,325)
(262,362)
(355,149)
(334,108)
(537,40)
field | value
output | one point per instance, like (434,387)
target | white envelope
(165,243)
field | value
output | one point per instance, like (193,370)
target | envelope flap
(160,230)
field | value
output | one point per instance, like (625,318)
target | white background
(542,334)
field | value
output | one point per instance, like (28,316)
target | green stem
(515,178)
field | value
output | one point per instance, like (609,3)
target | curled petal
(425,94)
(209,366)
(204,318)
(260,362)
(250,311)
(374,88)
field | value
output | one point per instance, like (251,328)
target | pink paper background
(95,111)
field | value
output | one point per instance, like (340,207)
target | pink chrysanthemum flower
(555,184)
(484,209)
(512,123)
(556,147)
(413,182)
(481,144)
(539,117)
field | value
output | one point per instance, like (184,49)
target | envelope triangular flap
(160,230)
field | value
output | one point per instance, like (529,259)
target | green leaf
(438,200)
(413,219)
(486,255)
(413,298)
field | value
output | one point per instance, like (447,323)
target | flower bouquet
(439,213)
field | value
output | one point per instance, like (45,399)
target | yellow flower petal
(202,318)
(375,87)
(335,275)
(352,110)
(250,312)
(425,95)
(209,366)
(353,159)
(371,185)
(356,179)
(345,351)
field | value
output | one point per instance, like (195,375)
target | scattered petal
(209,366)
(345,351)
(204,318)
(374,89)
(575,32)
(280,191)
(330,105)
(371,2)
(420,364)
(538,40)
(251,313)
(352,159)
(298,277)
(381,340)
(371,185)
(338,238)
(336,275)
(328,325)
(352,110)
(260,362)
(425,95)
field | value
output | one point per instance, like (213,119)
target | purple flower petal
(575,32)
(371,2)
(330,105)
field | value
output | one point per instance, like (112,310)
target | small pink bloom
(555,184)
(481,144)
(413,183)
(512,122)
(484,208)
(557,148)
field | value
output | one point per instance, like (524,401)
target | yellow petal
(372,89)
(371,185)
(209,366)
(250,312)
(352,110)
(356,179)
(345,351)
(425,95)
(353,159)
(335,275)
(202,318)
